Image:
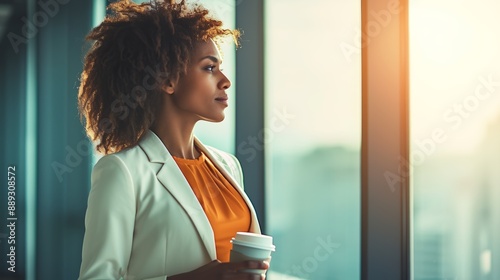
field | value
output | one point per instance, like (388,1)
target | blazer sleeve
(109,221)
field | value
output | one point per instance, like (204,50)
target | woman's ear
(169,87)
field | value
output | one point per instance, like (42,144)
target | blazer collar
(171,177)
(154,148)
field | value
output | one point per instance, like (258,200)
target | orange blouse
(225,208)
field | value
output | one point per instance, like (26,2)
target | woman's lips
(222,100)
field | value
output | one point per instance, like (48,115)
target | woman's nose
(224,83)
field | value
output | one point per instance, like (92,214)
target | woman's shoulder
(130,167)
(126,156)
(131,160)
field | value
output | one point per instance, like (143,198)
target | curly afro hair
(137,49)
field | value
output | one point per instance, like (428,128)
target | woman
(162,205)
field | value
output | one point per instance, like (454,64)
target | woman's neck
(176,133)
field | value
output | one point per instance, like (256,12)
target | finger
(242,276)
(260,276)
(246,265)
(258,264)
(268,263)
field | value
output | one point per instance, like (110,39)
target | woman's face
(201,93)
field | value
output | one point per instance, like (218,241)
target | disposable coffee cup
(251,246)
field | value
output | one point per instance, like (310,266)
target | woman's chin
(220,119)
(215,119)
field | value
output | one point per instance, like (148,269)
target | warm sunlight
(442,36)
(455,121)
(454,52)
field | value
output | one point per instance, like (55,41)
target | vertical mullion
(250,146)
(405,141)
(31,151)
(385,170)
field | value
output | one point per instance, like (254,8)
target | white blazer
(143,221)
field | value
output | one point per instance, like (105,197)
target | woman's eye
(210,68)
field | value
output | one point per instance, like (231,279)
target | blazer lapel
(171,177)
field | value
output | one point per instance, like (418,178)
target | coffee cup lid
(254,240)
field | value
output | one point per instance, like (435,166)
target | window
(313,134)
(455,121)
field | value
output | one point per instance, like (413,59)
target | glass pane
(313,136)
(455,154)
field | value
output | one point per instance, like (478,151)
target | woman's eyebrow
(211,57)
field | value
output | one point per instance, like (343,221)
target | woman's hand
(215,270)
